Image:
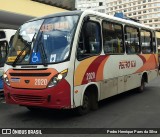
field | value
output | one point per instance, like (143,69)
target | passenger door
(88,51)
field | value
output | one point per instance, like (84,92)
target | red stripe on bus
(90,74)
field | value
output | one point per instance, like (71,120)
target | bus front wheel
(86,106)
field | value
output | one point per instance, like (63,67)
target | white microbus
(5,35)
(75,59)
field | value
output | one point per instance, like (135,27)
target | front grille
(30,74)
(28,98)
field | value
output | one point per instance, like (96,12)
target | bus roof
(131,22)
(59,14)
(90,12)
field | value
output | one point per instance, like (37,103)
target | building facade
(14,13)
(146,11)
(96,5)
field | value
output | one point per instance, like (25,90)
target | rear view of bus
(5,35)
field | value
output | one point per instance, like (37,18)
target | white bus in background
(5,35)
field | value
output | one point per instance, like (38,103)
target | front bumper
(57,97)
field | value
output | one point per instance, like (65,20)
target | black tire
(94,102)
(86,106)
(140,89)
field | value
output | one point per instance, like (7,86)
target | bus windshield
(43,41)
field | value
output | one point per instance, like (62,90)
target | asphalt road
(128,110)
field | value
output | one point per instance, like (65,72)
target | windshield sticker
(45,37)
(35,57)
(26,58)
(55,26)
(53,58)
(11,59)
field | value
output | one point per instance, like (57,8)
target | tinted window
(2,35)
(90,40)
(146,41)
(158,38)
(132,40)
(112,38)
(154,42)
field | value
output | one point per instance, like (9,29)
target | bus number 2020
(91,75)
(40,82)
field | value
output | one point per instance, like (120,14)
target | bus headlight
(57,78)
(6,80)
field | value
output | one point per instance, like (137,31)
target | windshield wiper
(26,46)
(44,57)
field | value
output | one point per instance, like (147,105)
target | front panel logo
(27,81)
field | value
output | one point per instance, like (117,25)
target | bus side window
(112,38)
(154,43)
(90,41)
(132,40)
(146,42)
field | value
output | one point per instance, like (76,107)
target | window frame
(122,32)
(139,40)
(154,39)
(151,45)
(81,30)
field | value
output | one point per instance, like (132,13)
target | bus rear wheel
(140,89)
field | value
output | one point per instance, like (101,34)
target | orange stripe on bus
(150,64)
(156,57)
(81,70)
